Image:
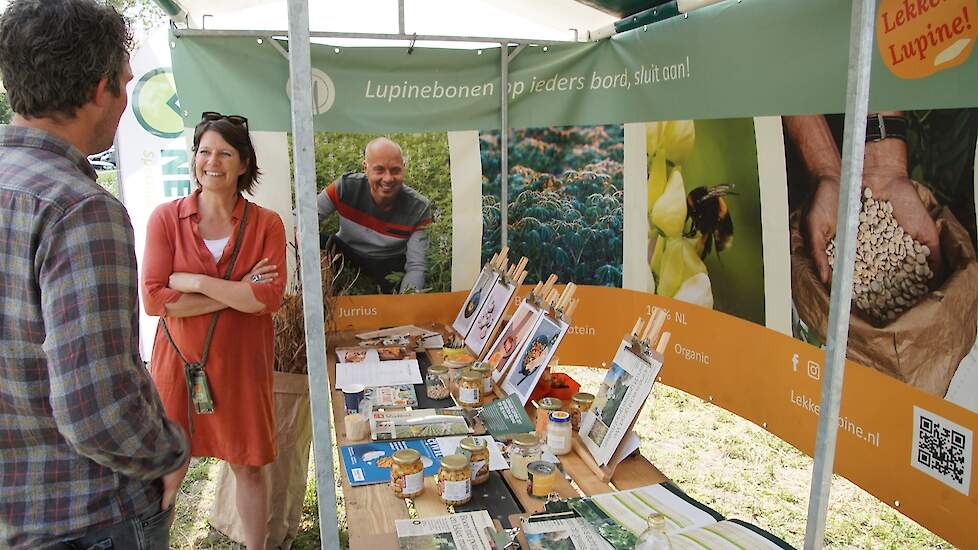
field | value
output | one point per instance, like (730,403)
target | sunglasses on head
(209,116)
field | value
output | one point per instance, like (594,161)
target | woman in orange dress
(189,245)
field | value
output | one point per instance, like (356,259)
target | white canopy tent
(469,23)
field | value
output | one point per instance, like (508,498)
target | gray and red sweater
(378,234)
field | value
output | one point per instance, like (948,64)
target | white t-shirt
(216,246)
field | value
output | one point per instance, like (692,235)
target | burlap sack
(286,476)
(924,345)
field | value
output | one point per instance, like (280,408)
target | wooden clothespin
(520,267)
(564,298)
(660,348)
(569,313)
(519,279)
(636,328)
(551,299)
(548,286)
(652,331)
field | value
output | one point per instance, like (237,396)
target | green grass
(744,472)
(109,180)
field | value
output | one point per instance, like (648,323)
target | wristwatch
(879,127)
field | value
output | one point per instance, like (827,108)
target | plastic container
(524,449)
(478,454)
(407,473)
(455,480)
(559,433)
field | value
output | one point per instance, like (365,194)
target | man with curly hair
(87,456)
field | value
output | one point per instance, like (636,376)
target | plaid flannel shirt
(83,436)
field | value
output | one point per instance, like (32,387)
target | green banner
(733,59)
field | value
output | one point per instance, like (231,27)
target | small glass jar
(580,403)
(544,407)
(407,473)
(542,476)
(455,371)
(478,454)
(470,389)
(484,369)
(524,449)
(455,480)
(559,434)
(436,383)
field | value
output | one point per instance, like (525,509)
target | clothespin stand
(648,344)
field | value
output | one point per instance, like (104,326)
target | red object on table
(560,385)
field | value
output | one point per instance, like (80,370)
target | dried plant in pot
(286,476)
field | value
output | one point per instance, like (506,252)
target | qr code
(942,449)
(357,474)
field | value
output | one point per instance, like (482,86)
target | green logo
(155,104)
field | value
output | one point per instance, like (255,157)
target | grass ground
(717,457)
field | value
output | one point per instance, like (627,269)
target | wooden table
(372,509)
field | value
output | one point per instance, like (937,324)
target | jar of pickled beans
(436,383)
(484,369)
(455,480)
(478,453)
(470,389)
(407,473)
(580,403)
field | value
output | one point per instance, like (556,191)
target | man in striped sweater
(383,223)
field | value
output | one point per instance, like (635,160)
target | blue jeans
(148,531)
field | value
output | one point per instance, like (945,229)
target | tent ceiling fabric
(541,19)
(621,8)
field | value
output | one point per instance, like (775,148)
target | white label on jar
(457,490)
(413,483)
(487,385)
(556,443)
(476,466)
(468,395)
(517,465)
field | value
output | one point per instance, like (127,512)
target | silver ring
(256,277)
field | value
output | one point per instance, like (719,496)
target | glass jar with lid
(436,382)
(407,473)
(455,480)
(559,434)
(544,407)
(580,403)
(470,389)
(524,449)
(478,452)
(484,369)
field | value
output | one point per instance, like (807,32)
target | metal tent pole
(300,73)
(369,36)
(400,16)
(857,99)
(504,58)
(504,144)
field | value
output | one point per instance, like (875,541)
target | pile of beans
(891,272)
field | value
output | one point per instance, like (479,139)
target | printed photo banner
(716,63)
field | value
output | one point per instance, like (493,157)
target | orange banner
(730,362)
